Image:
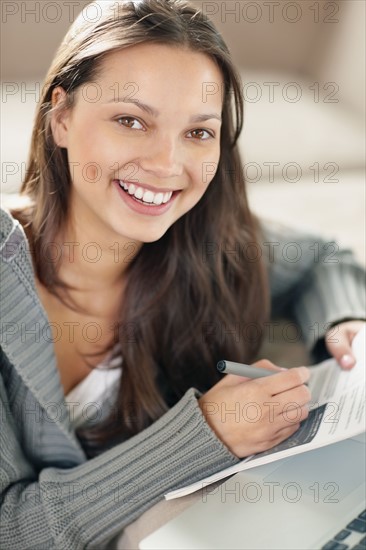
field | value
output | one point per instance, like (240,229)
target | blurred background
(302,65)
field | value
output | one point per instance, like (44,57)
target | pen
(229,367)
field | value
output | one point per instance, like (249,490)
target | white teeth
(139,193)
(147,196)
(158,199)
(167,196)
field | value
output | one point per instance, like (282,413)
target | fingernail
(347,360)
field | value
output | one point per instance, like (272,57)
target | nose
(163,159)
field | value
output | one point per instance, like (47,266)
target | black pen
(241,369)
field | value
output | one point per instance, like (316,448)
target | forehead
(161,71)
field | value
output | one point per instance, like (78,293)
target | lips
(145,208)
(146,196)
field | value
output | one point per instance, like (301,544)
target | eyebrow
(154,112)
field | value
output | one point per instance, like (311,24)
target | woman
(130,233)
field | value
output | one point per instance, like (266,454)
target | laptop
(313,500)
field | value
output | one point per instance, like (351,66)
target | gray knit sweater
(51,495)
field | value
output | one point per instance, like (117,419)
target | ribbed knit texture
(52,497)
(312,280)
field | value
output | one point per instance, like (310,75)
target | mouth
(146,196)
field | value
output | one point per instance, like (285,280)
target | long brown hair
(185,292)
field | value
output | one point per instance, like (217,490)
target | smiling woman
(134,179)
(154,152)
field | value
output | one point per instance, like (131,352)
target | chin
(150,236)
(141,235)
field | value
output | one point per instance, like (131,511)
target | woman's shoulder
(13,211)
(8,223)
(14,244)
(12,236)
(14,215)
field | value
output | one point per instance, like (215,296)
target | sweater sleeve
(48,501)
(87,505)
(312,280)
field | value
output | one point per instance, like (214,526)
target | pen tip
(220,366)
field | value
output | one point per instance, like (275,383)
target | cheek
(205,170)
(93,153)
(91,172)
(82,144)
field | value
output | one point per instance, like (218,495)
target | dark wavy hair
(180,301)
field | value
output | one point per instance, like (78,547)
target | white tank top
(84,401)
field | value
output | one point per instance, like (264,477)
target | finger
(339,346)
(339,343)
(284,381)
(292,399)
(268,365)
(294,415)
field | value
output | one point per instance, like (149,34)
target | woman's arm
(312,280)
(49,500)
(87,505)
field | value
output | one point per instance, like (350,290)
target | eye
(130,122)
(200,134)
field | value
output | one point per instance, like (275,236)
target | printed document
(337,411)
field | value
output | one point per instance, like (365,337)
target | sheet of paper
(337,412)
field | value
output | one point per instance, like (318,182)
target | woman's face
(141,141)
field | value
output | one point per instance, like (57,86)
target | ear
(59,116)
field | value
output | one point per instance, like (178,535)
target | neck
(94,263)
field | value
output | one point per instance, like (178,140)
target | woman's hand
(338,341)
(251,416)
